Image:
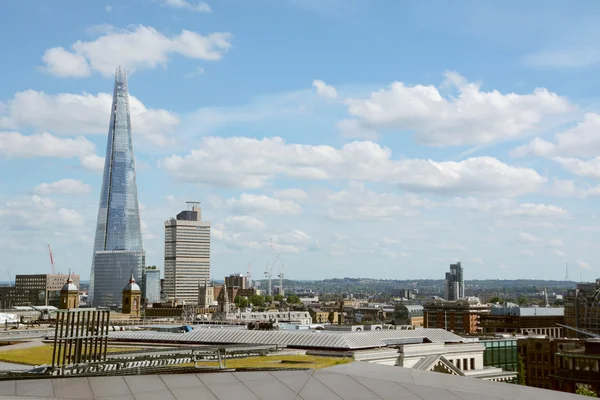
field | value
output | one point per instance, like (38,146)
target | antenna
(566,271)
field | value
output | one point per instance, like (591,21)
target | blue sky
(355,137)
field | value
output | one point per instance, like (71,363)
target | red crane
(51,258)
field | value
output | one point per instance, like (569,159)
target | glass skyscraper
(118,248)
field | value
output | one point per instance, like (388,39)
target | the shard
(118,245)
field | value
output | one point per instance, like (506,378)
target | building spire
(69,279)
(132,279)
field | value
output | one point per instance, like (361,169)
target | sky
(323,138)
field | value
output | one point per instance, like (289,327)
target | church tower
(206,294)
(132,295)
(223,300)
(69,295)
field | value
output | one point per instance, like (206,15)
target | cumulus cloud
(525,237)
(580,141)
(38,213)
(297,195)
(92,162)
(472,117)
(325,90)
(136,47)
(76,114)
(359,203)
(251,203)
(15,144)
(586,168)
(508,207)
(244,223)
(188,5)
(251,163)
(583,265)
(64,187)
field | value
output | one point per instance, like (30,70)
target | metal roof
(297,338)
(355,381)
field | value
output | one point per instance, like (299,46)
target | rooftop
(298,339)
(354,381)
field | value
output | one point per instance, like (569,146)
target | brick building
(460,316)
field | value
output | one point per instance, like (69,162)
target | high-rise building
(118,248)
(151,285)
(236,280)
(455,284)
(187,255)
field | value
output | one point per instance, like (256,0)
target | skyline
(385,141)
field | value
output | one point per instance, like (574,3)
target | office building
(582,308)
(511,318)
(187,255)
(461,316)
(538,354)
(118,248)
(455,283)
(35,290)
(151,285)
(501,353)
(409,315)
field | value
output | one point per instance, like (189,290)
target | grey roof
(513,309)
(356,381)
(298,338)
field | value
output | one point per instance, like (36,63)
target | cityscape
(439,244)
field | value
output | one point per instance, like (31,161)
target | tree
(257,300)
(522,301)
(293,299)
(279,297)
(583,391)
(521,374)
(243,303)
(268,298)
(495,300)
(237,300)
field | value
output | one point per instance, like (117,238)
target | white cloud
(197,72)
(473,117)
(526,252)
(583,264)
(76,114)
(525,237)
(580,141)
(108,8)
(251,203)
(568,188)
(92,163)
(508,207)
(14,144)
(351,128)
(556,243)
(38,214)
(198,6)
(559,253)
(358,203)
(252,163)
(572,58)
(244,223)
(325,90)
(63,63)
(64,187)
(137,47)
(586,168)
(297,195)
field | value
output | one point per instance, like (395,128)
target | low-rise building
(35,290)
(577,364)
(460,316)
(409,315)
(538,354)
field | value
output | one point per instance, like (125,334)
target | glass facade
(118,245)
(151,285)
(501,353)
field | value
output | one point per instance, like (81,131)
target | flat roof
(335,340)
(354,381)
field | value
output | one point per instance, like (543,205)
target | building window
(472,363)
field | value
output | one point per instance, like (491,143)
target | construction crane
(51,259)
(281,279)
(268,275)
(9,278)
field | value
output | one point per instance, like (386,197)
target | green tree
(257,300)
(522,301)
(495,300)
(583,391)
(237,300)
(521,374)
(293,299)
(268,298)
(278,297)
(243,303)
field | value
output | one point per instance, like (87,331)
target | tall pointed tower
(118,245)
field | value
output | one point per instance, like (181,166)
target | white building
(293,317)
(462,359)
(187,255)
